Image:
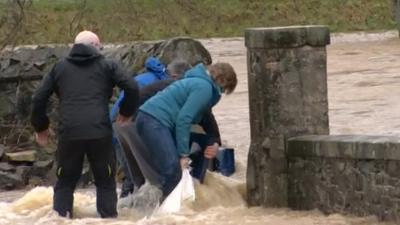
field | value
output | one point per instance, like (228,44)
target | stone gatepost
(287,97)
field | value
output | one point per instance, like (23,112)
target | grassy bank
(57,21)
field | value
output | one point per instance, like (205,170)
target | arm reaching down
(210,126)
(196,103)
(130,101)
(39,119)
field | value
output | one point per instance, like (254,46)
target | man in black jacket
(83,82)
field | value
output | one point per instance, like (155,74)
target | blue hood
(154,65)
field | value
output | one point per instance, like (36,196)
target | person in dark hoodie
(155,71)
(83,82)
(163,123)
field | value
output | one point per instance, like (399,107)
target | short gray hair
(178,67)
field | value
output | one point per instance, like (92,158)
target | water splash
(35,207)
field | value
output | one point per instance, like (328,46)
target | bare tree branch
(75,24)
(12,22)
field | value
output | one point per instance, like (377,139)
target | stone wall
(345,174)
(21,69)
(287,97)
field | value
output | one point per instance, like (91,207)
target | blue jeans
(160,143)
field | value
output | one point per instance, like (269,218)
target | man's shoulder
(65,60)
(109,64)
(108,61)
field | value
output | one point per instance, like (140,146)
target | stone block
(345,146)
(23,156)
(287,37)
(10,181)
(1,149)
(5,166)
(41,168)
(23,172)
(35,181)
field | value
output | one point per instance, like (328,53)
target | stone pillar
(288,97)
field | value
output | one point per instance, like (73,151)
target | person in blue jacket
(163,122)
(155,71)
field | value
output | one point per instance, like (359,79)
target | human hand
(123,120)
(42,138)
(211,151)
(185,162)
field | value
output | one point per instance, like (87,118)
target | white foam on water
(218,201)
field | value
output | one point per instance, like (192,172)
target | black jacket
(84,83)
(208,123)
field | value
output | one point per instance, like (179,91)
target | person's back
(163,122)
(83,82)
(184,102)
(166,106)
(84,86)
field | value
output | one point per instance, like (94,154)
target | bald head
(88,38)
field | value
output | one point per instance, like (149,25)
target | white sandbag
(188,193)
(184,191)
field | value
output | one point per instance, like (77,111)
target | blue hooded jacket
(155,71)
(183,103)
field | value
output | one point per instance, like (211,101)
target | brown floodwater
(363,90)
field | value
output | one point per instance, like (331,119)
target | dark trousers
(127,183)
(70,155)
(198,158)
(160,143)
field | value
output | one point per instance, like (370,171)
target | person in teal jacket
(163,122)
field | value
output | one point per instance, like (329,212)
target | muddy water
(363,81)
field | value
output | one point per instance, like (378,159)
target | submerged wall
(345,174)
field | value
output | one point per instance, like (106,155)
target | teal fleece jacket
(183,103)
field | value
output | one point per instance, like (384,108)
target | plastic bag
(184,191)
